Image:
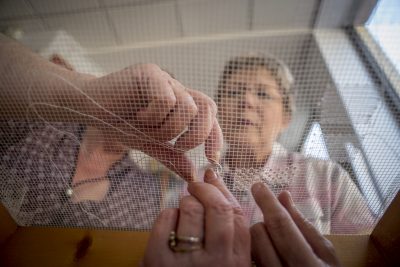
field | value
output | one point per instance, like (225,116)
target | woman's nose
(248,100)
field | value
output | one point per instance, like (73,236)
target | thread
(32,106)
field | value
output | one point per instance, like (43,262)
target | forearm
(26,80)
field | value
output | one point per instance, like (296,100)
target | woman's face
(251,110)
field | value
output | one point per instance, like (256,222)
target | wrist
(87,102)
(62,97)
(91,102)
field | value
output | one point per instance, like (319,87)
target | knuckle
(166,214)
(222,209)
(143,71)
(191,209)
(186,113)
(201,103)
(205,103)
(148,67)
(238,211)
(277,221)
(192,109)
(211,105)
(169,100)
(207,106)
(240,222)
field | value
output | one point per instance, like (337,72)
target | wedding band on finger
(184,243)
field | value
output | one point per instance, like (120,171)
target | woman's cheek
(257,140)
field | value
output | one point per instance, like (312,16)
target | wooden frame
(45,246)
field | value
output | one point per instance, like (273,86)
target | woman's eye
(262,94)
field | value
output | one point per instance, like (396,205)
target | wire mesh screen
(303,94)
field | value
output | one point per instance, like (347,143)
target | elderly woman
(255,102)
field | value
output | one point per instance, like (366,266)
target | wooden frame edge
(7,225)
(386,234)
(45,246)
(72,247)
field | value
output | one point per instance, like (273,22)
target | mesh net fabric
(338,155)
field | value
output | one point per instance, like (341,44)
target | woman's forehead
(258,75)
(254,77)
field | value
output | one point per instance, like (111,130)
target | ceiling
(97,23)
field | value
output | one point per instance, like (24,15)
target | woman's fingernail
(257,188)
(217,156)
(209,175)
(194,177)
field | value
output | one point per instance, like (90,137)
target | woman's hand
(208,215)
(145,108)
(286,238)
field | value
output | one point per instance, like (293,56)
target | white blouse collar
(275,172)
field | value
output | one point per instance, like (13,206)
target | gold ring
(190,243)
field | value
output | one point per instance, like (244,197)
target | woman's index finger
(287,238)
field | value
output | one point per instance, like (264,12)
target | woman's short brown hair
(277,68)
